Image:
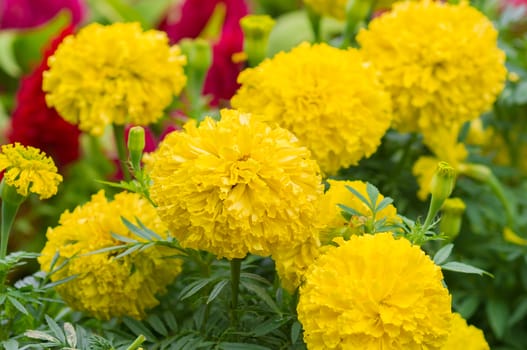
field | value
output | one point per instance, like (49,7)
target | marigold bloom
(291,263)
(113,74)
(235,186)
(329,98)
(330,213)
(464,337)
(106,287)
(29,170)
(442,70)
(374,292)
(33,123)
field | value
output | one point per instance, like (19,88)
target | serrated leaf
(386,201)
(349,210)
(106,249)
(71,336)
(443,254)
(498,315)
(59,282)
(147,235)
(464,268)
(17,305)
(129,251)
(263,295)
(194,287)
(360,196)
(138,328)
(170,321)
(216,290)
(296,328)
(373,194)
(157,325)
(55,329)
(123,238)
(149,231)
(41,335)
(255,277)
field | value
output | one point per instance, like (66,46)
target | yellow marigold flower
(329,98)
(445,147)
(442,70)
(464,337)
(106,287)
(235,186)
(28,169)
(291,263)
(113,74)
(374,292)
(330,213)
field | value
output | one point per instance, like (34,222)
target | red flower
(34,124)
(32,13)
(187,20)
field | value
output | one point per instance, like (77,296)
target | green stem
(9,211)
(315,22)
(118,132)
(434,207)
(235,285)
(137,342)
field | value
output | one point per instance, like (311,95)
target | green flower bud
(443,182)
(256,30)
(199,59)
(452,213)
(136,145)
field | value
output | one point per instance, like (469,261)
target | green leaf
(55,329)
(268,326)
(386,201)
(17,305)
(498,315)
(194,287)
(138,328)
(255,277)
(157,324)
(59,282)
(241,346)
(443,254)
(71,336)
(8,61)
(296,328)
(464,268)
(348,210)
(107,249)
(147,235)
(263,295)
(519,313)
(123,238)
(129,251)
(520,93)
(41,335)
(360,197)
(373,194)
(170,320)
(10,344)
(468,306)
(153,234)
(216,290)
(117,11)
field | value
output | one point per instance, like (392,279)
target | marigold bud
(256,30)
(452,213)
(136,145)
(443,182)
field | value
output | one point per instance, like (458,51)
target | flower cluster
(442,70)
(374,292)
(235,186)
(329,98)
(113,74)
(29,170)
(104,286)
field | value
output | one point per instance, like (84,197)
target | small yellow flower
(442,68)
(106,287)
(235,186)
(374,292)
(113,74)
(29,170)
(464,337)
(329,98)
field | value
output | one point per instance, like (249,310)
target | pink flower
(33,123)
(18,14)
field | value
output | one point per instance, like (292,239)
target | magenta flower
(20,14)
(188,19)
